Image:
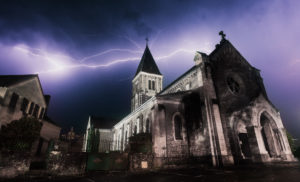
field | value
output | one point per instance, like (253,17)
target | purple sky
(87,52)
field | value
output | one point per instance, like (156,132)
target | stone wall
(136,119)
(14,164)
(64,164)
(140,161)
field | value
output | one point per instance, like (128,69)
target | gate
(107,161)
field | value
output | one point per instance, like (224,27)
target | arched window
(141,124)
(149,84)
(153,85)
(178,127)
(135,130)
(147,126)
(233,85)
(126,141)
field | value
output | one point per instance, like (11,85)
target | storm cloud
(38,36)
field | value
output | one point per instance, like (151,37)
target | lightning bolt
(60,61)
(109,51)
(54,59)
(174,53)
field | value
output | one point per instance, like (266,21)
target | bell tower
(147,81)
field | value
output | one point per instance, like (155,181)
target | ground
(288,173)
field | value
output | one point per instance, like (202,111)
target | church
(218,112)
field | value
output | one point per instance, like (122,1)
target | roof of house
(9,80)
(103,122)
(147,63)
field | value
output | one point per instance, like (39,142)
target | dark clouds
(265,32)
(77,22)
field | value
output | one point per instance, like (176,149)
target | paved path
(243,174)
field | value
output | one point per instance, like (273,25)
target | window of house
(178,127)
(42,113)
(13,100)
(31,108)
(153,85)
(24,105)
(36,111)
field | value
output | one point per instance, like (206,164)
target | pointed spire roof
(147,63)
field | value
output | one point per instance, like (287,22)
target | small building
(70,141)
(98,136)
(23,96)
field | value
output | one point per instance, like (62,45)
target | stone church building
(218,112)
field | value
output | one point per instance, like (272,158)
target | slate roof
(180,77)
(147,63)
(102,122)
(174,93)
(9,80)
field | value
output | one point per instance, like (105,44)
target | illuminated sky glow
(87,52)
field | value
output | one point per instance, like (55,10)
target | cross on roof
(221,33)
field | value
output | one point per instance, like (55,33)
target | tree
(20,134)
(297,153)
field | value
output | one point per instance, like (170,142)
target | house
(23,96)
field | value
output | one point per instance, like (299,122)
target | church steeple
(147,81)
(147,63)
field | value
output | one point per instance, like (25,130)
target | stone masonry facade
(218,112)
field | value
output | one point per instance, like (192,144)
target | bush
(297,153)
(141,143)
(20,134)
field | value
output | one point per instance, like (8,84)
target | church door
(244,145)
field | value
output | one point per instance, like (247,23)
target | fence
(107,161)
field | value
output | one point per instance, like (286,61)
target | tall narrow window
(153,85)
(36,111)
(13,101)
(24,105)
(126,141)
(149,84)
(135,130)
(42,113)
(147,126)
(31,108)
(178,127)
